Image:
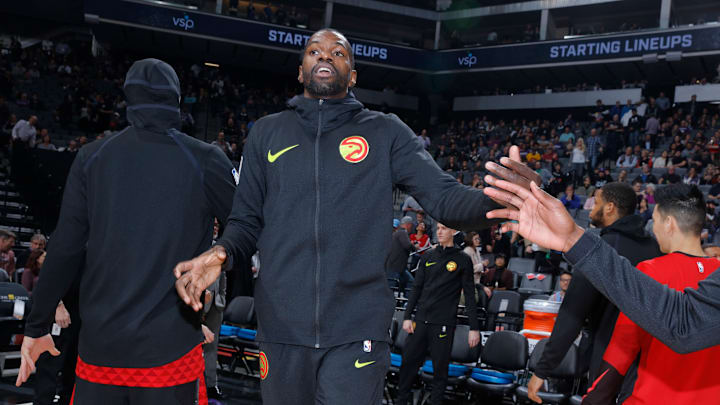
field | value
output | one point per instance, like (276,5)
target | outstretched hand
(540,217)
(195,275)
(512,169)
(30,350)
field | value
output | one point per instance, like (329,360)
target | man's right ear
(300,74)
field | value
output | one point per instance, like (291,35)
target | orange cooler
(540,316)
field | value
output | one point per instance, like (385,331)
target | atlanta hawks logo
(354,149)
(263,365)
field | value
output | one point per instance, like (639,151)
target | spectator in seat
(24,132)
(497,276)
(678,160)
(628,160)
(563,283)
(72,147)
(662,161)
(32,269)
(623,176)
(650,193)
(533,156)
(584,189)
(712,250)
(692,177)
(646,176)
(578,160)
(7,256)
(670,177)
(590,202)
(570,200)
(473,246)
(221,143)
(567,135)
(37,242)
(644,211)
(45,144)
(420,238)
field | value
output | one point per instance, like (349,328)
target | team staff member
(135,204)
(614,212)
(686,321)
(677,223)
(322,301)
(442,273)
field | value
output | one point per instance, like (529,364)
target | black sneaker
(215,393)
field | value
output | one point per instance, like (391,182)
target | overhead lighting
(210,64)
(715,102)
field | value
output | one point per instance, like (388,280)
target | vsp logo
(184,22)
(468,60)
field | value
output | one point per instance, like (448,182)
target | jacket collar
(335,112)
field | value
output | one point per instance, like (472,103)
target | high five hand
(540,217)
(513,170)
(194,276)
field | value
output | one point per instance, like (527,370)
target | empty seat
(569,368)
(504,311)
(536,283)
(521,265)
(504,352)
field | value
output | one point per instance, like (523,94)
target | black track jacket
(441,274)
(315,197)
(135,204)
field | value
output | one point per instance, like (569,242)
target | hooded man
(134,204)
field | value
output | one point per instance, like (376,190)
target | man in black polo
(441,274)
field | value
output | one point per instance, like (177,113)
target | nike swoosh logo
(361,365)
(273,157)
(428,264)
(442,336)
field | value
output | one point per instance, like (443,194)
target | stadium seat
(504,311)
(521,265)
(504,353)
(539,297)
(239,338)
(536,283)
(569,369)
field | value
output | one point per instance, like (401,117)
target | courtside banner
(581,50)
(225,28)
(622,47)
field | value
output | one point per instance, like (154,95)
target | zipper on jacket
(317,226)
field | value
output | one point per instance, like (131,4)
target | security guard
(441,274)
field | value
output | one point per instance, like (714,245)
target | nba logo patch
(701,268)
(236,176)
(367,346)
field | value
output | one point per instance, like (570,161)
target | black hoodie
(320,221)
(582,301)
(141,201)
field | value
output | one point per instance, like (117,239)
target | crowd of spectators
(62,89)
(646,145)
